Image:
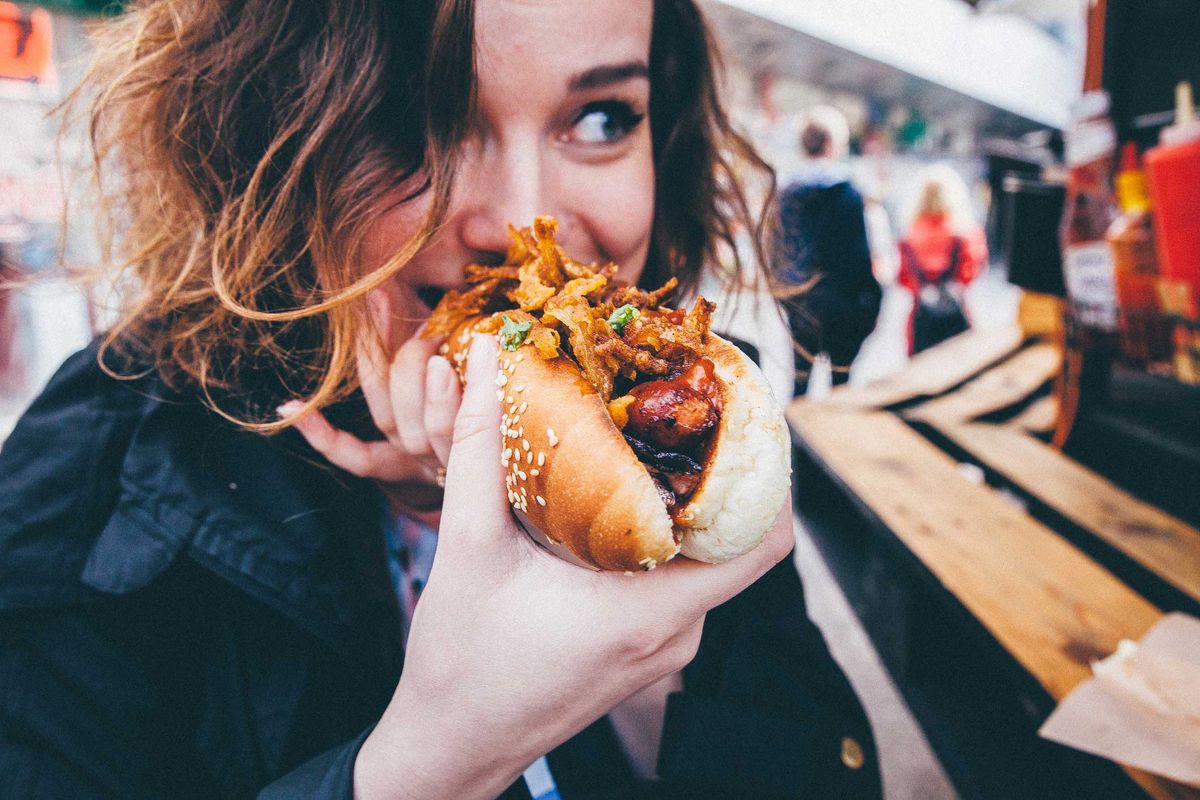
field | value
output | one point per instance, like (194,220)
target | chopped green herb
(513,333)
(622,317)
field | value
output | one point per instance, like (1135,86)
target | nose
(502,185)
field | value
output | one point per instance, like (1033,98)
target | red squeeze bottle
(1174,172)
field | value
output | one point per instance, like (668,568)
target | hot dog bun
(571,474)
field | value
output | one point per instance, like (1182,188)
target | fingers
(443,396)
(365,459)
(407,376)
(475,497)
(372,376)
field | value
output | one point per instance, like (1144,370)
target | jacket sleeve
(329,776)
(69,701)
(86,713)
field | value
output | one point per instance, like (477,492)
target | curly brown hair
(242,148)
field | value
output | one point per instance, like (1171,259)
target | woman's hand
(413,396)
(512,651)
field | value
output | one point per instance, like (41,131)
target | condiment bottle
(1173,169)
(1090,209)
(1145,332)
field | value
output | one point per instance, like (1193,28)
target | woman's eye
(603,122)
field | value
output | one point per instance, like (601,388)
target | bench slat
(1000,387)
(1158,541)
(1039,417)
(1048,604)
(935,370)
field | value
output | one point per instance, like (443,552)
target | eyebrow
(608,74)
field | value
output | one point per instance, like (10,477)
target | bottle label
(1091,284)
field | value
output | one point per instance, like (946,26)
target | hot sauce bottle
(1174,172)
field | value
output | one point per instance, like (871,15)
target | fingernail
(438,375)
(288,409)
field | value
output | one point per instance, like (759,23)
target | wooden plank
(1166,546)
(1004,385)
(1053,615)
(1039,416)
(1048,604)
(935,370)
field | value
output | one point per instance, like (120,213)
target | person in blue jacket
(822,264)
(253,540)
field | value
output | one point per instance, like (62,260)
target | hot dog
(631,432)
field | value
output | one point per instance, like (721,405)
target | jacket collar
(266,514)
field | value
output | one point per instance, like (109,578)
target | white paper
(1142,709)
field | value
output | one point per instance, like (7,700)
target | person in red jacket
(943,251)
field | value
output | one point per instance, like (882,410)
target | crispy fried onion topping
(576,310)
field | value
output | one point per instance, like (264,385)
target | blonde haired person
(193,608)
(943,250)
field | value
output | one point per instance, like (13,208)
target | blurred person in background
(191,607)
(822,268)
(943,250)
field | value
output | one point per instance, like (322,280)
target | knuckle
(644,643)
(685,649)
(780,546)
(470,425)
(412,438)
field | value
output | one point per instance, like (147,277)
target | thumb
(476,504)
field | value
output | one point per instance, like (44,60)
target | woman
(944,250)
(191,608)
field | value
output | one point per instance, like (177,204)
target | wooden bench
(1163,544)
(935,370)
(1008,384)
(968,597)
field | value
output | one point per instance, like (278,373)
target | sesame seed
(520,387)
(521,431)
(445,348)
(511,367)
(501,379)
(499,394)
(534,472)
(524,406)
(508,399)
(520,357)
(507,452)
(550,435)
(541,458)
(525,444)
(628,574)
(541,500)
(528,457)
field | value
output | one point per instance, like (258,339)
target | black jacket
(823,236)
(191,610)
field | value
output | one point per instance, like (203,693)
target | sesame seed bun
(571,475)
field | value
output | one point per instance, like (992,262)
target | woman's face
(563,93)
